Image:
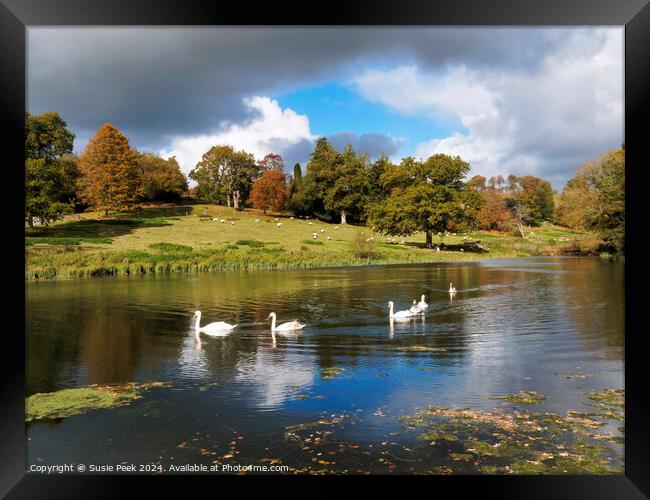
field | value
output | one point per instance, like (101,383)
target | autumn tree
(494,212)
(270,191)
(272,161)
(225,175)
(349,187)
(477,182)
(425,196)
(162,180)
(110,177)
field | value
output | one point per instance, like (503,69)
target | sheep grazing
(314,237)
(222,221)
(462,250)
(291,218)
(310,223)
(322,230)
(257,220)
(232,223)
(336,227)
(215,219)
(276,219)
(329,238)
(437,249)
(279,224)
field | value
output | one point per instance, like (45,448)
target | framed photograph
(398,241)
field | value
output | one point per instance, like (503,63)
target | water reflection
(519,324)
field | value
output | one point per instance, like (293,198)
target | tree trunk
(235,200)
(106,213)
(30,221)
(521,230)
(343,220)
(228,197)
(429,239)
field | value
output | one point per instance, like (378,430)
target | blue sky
(511,100)
(334,107)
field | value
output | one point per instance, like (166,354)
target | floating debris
(523,397)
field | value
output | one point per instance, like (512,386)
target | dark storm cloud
(159,82)
(372,144)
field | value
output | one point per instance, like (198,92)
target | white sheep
(310,223)
(314,237)
(232,223)
(329,238)
(322,230)
(279,224)
(437,249)
(336,227)
(222,221)
(257,220)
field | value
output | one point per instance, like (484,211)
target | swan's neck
(391,309)
(196,324)
(273,323)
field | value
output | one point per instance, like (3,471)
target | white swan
(398,314)
(451,288)
(288,327)
(216,329)
(415,308)
(423,303)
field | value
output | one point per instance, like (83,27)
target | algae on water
(68,402)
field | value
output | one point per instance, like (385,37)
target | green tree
(595,198)
(324,160)
(533,197)
(50,169)
(224,174)
(348,192)
(377,168)
(44,181)
(110,178)
(426,196)
(47,136)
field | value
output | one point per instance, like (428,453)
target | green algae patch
(608,397)
(523,398)
(511,441)
(331,372)
(68,402)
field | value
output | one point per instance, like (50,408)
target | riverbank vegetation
(115,210)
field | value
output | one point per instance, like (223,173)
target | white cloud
(543,122)
(271,130)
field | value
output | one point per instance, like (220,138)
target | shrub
(363,247)
(170,247)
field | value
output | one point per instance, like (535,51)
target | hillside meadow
(205,237)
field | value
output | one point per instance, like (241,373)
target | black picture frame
(16,15)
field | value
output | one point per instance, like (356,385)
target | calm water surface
(520,324)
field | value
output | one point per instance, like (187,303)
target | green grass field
(188,238)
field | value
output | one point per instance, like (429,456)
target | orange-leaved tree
(110,177)
(270,191)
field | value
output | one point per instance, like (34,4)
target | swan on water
(288,327)
(415,308)
(451,288)
(398,314)
(423,303)
(216,329)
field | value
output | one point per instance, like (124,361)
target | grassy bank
(188,238)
